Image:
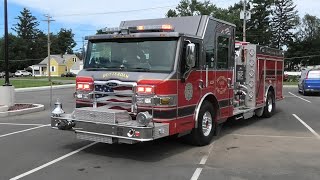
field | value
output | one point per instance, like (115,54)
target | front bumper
(313,90)
(101,126)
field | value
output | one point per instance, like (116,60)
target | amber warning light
(164,27)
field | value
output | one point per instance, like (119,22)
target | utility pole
(6,44)
(244,20)
(49,20)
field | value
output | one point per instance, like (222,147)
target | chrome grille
(115,94)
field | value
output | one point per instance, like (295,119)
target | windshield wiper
(140,69)
(105,68)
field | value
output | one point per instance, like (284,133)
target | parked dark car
(309,81)
(69,74)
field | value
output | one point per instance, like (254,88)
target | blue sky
(84,22)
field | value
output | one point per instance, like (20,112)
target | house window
(52,69)
(74,59)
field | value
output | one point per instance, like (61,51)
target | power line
(114,12)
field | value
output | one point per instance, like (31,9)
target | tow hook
(65,125)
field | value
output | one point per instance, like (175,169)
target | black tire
(198,136)
(304,92)
(269,110)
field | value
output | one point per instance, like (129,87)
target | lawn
(290,83)
(53,78)
(28,83)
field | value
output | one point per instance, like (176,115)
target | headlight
(82,95)
(144,100)
(144,118)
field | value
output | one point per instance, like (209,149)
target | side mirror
(190,55)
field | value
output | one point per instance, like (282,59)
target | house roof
(76,65)
(60,59)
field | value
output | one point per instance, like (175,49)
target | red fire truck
(149,79)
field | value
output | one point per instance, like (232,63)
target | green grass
(28,83)
(53,78)
(290,83)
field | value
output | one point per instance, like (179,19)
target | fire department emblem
(222,85)
(188,91)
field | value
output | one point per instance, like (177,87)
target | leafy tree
(63,42)
(284,21)
(305,48)
(192,8)
(259,31)
(26,29)
(16,53)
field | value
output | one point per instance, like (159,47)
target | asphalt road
(281,147)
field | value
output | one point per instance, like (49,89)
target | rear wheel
(270,107)
(304,92)
(203,134)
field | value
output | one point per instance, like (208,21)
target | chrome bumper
(93,128)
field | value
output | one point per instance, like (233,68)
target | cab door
(189,87)
(224,75)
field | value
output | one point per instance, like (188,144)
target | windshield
(314,75)
(132,55)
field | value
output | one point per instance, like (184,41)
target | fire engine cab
(148,79)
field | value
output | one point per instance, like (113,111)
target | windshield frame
(124,40)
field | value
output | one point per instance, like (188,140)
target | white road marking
(205,157)
(18,124)
(299,97)
(196,174)
(4,135)
(307,126)
(203,161)
(52,162)
(268,136)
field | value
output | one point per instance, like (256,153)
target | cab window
(223,45)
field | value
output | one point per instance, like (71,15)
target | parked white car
(22,73)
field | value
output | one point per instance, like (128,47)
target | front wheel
(203,134)
(270,107)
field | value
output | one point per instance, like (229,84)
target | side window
(210,57)
(223,45)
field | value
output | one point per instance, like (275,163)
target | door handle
(200,84)
(229,82)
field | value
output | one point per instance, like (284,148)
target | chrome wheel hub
(270,105)
(206,123)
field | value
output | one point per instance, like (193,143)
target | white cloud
(59,8)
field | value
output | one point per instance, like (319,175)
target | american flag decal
(119,97)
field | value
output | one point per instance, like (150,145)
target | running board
(243,113)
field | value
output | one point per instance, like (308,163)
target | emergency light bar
(147,28)
(164,27)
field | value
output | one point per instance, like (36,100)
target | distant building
(59,64)
(76,67)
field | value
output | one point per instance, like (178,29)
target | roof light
(167,27)
(140,28)
(164,27)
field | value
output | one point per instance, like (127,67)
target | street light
(6,45)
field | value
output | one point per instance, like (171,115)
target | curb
(39,107)
(44,88)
